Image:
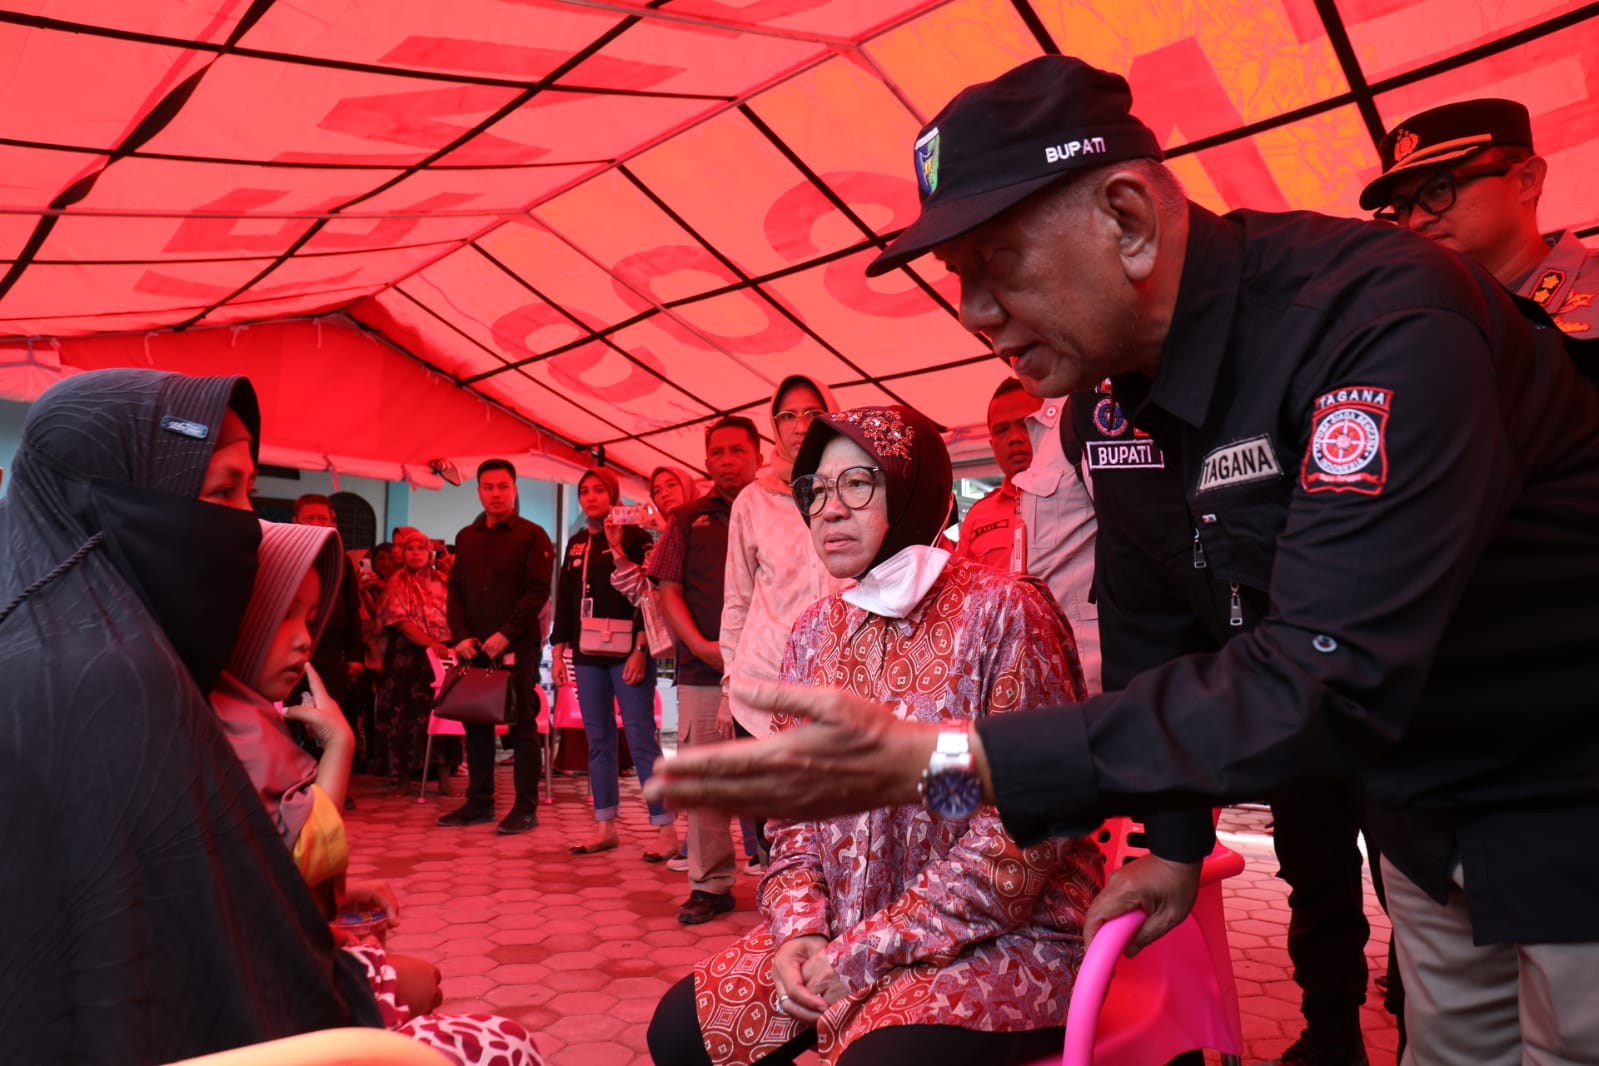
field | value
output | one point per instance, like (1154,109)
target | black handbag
(475,695)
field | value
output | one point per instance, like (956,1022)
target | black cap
(1446,133)
(1000,141)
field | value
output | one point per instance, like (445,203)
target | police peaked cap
(1444,134)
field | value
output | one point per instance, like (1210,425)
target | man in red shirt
(992,532)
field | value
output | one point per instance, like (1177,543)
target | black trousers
(675,1040)
(1317,855)
(527,751)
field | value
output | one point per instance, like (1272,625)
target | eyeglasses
(1437,194)
(788,418)
(855,487)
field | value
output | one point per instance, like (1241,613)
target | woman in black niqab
(148,911)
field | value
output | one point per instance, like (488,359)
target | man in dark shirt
(339,655)
(690,566)
(497,587)
(1393,480)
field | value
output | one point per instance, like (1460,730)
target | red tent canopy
(613,221)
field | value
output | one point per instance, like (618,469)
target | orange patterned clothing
(928,922)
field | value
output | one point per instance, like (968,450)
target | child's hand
(322,715)
(374,894)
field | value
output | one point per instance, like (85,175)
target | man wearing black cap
(1377,549)
(1465,175)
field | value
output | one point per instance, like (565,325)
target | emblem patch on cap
(185,428)
(1404,143)
(927,161)
(1348,446)
(1240,462)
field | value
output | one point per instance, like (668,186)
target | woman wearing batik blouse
(896,936)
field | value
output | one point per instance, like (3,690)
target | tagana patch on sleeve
(1348,441)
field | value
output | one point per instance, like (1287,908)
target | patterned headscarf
(916,468)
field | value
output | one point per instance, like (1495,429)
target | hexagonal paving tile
(580,949)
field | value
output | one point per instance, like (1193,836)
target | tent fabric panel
(190,20)
(45,67)
(833,18)
(1392,39)
(299,305)
(33,176)
(318,116)
(471,40)
(863,395)
(68,293)
(228,192)
(930,59)
(467,189)
(855,136)
(697,382)
(737,191)
(496,310)
(557,272)
(703,60)
(955,395)
(361,269)
(415,328)
(563,414)
(611,222)
(1207,67)
(629,392)
(887,324)
(555,127)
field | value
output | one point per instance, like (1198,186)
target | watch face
(953,795)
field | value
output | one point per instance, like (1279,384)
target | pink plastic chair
(1175,995)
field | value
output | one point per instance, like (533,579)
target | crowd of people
(1293,508)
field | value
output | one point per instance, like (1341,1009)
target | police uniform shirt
(1565,285)
(1374,543)
(1058,514)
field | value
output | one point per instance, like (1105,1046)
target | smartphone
(631,514)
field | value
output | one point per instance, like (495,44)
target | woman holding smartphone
(611,667)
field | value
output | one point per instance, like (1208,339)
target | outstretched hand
(1162,888)
(850,755)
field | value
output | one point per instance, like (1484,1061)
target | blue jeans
(597,688)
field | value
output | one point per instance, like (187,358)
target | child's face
(291,645)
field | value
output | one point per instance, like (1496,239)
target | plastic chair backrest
(1176,995)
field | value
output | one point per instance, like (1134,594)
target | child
(295,585)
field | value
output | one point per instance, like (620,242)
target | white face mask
(896,585)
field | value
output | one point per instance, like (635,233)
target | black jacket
(500,581)
(340,642)
(608,603)
(1391,481)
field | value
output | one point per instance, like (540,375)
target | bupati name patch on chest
(1137,453)
(1243,461)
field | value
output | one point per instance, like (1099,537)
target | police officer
(1466,175)
(1394,480)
